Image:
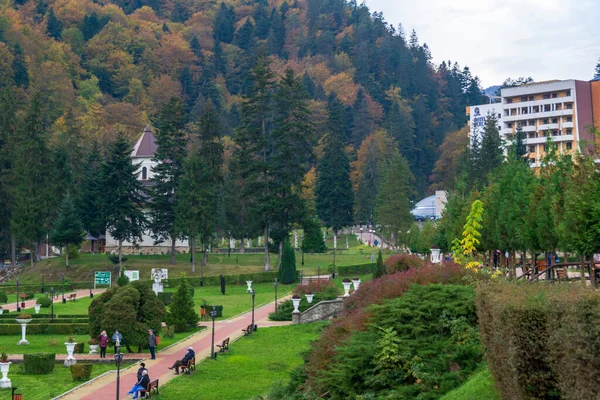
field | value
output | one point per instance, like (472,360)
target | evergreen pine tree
(181,314)
(597,70)
(165,28)
(244,37)
(8,127)
(368,183)
(68,228)
(123,195)
(19,66)
(313,237)
(276,37)
(219,66)
(287,270)
(197,50)
(379,267)
(224,27)
(363,123)
(169,157)
(262,24)
(492,153)
(520,145)
(53,26)
(91,205)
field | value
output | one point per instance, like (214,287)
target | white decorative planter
(37,308)
(356,283)
(296,303)
(309,297)
(346,288)
(4,382)
(249,283)
(23,323)
(435,255)
(94,348)
(1,311)
(70,359)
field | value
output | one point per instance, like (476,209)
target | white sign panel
(133,275)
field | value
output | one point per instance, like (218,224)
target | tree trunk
(280,255)
(13,251)
(592,272)
(205,255)
(267,255)
(120,256)
(334,246)
(193,253)
(31,254)
(67,255)
(172,262)
(38,251)
(582,270)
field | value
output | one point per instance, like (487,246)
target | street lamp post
(18,284)
(361,232)
(118,359)
(275,284)
(213,315)
(62,277)
(253,292)
(91,283)
(52,297)
(229,250)
(302,249)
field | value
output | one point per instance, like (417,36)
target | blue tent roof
(424,209)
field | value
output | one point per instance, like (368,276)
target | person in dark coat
(152,343)
(103,342)
(184,361)
(142,383)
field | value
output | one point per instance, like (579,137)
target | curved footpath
(82,293)
(104,388)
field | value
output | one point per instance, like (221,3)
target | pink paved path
(105,388)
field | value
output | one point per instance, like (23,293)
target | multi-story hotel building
(566,111)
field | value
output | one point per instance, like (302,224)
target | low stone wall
(321,311)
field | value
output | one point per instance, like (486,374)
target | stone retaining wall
(321,311)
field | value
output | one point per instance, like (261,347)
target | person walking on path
(141,385)
(117,338)
(184,361)
(151,343)
(103,342)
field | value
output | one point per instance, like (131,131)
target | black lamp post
(62,277)
(213,315)
(118,359)
(229,247)
(302,249)
(275,283)
(91,283)
(253,293)
(52,297)
(318,270)
(18,308)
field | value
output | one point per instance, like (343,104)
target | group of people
(117,338)
(143,379)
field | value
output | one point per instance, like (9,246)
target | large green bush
(79,348)
(287,269)
(165,297)
(3,297)
(313,236)
(541,341)
(81,372)
(181,310)
(38,363)
(44,301)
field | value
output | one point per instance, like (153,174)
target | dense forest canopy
(99,68)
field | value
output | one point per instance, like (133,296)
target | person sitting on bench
(184,361)
(141,385)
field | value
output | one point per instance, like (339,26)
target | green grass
(43,387)
(249,369)
(55,343)
(480,386)
(79,306)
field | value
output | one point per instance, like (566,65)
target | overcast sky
(544,39)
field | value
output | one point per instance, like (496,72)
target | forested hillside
(91,69)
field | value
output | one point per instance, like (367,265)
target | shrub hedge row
(35,287)
(49,329)
(38,363)
(542,341)
(258,277)
(81,372)
(6,315)
(358,269)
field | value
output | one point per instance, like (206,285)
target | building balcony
(547,127)
(538,115)
(542,140)
(567,124)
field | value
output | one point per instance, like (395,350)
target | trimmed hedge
(45,302)
(50,329)
(35,287)
(81,372)
(358,269)
(38,363)
(542,340)
(241,279)
(79,348)
(3,297)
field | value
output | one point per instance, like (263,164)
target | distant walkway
(367,237)
(12,306)
(105,387)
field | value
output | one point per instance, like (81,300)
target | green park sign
(102,278)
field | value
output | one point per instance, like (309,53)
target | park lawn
(43,387)
(236,300)
(55,343)
(79,306)
(250,368)
(480,386)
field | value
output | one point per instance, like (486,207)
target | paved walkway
(30,303)
(105,387)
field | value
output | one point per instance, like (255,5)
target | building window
(532,160)
(568,93)
(532,149)
(509,101)
(532,122)
(555,120)
(509,124)
(569,106)
(554,95)
(546,96)
(524,98)
(144,173)
(544,148)
(554,133)
(531,98)
(499,116)
(546,121)
(569,131)
(532,135)
(569,145)
(524,110)
(547,108)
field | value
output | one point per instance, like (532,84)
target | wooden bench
(153,385)
(191,365)
(248,330)
(72,296)
(224,346)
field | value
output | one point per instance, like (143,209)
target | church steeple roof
(146,145)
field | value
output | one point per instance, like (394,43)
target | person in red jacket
(103,339)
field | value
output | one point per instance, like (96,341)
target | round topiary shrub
(81,372)
(44,301)
(3,297)
(38,363)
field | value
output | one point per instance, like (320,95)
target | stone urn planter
(94,348)
(4,382)
(249,283)
(70,360)
(23,319)
(296,303)
(347,283)
(309,297)
(37,308)
(356,283)
(1,310)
